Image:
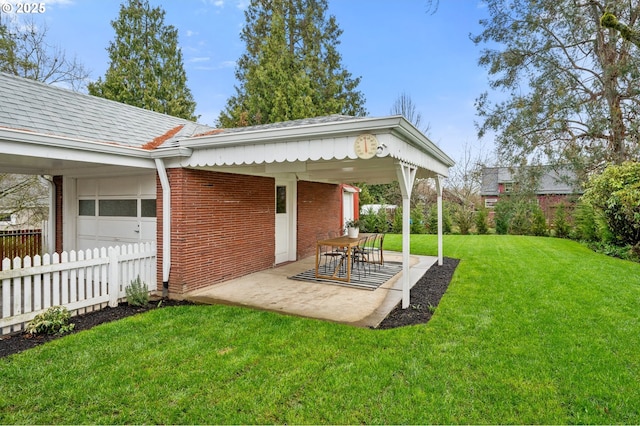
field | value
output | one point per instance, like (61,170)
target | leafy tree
(146,68)
(25,52)
(569,85)
(291,68)
(609,20)
(616,193)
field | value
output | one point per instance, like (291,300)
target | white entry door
(347,207)
(285,237)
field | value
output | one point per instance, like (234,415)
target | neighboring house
(553,188)
(220,203)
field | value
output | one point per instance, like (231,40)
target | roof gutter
(166,225)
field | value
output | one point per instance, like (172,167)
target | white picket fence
(80,281)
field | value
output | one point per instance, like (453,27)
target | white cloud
(227,64)
(200,59)
(242,4)
(216,3)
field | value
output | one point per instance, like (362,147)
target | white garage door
(116,211)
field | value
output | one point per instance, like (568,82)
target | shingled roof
(56,111)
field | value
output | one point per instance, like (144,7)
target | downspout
(51,226)
(166,226)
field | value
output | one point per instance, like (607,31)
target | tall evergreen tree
(146,67)
(569,86)
(291,68)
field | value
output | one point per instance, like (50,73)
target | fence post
(114,277)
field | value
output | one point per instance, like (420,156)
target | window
(281,199)
(122,208)
(87,207)
(490,203)
(508,187)
(148,208)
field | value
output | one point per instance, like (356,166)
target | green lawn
(532,330)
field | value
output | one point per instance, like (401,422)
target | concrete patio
(272,290)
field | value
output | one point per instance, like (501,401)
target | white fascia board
(397,125)
(415,137)
(25,143)
(302,132)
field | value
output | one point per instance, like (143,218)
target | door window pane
(87,207)
(148,208)
(281,199)
(127,208)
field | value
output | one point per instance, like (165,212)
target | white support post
(406,178)
(439,192)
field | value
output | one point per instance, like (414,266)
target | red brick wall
(222,227)
(319,210)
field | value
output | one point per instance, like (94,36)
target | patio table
(343,242)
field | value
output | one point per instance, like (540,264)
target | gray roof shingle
(35,106)
(551,182)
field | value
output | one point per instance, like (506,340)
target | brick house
(219,203)
(553,188)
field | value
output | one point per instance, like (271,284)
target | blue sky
(396,46)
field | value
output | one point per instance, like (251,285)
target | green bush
(52,321)
(481,221)
(538,221)
(417,220)
(374,222)
(463,217)
(586,226)
(137,293)
(396,226)
(432,222)
(503,212)
(616,193)
(560,222)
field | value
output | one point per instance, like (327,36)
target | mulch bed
(425,296)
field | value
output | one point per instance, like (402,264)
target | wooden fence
(80,281)
(20,243)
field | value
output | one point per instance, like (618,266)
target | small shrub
(561,222)
(432,222)
(137,293)
(482,226)
(396,225)
(463,217)
(538,222)
(52,321)
(586,223)
(417,220)
(503,213)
